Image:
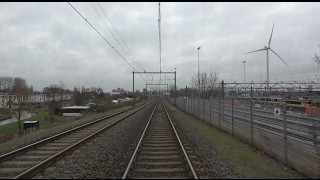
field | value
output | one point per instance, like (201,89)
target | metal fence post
(184,107)
(210,101)
(285,134)
(232,116)
(219,110)
(265,97)
(188,107)
(203,109)
(187,100)
(251,116)
(222,100)
(199,103)
(194,102)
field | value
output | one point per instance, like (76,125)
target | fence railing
(291,138)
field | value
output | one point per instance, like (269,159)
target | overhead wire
(138,64)
(105,39)
(159,22)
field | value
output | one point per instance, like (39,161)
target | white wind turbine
(267,49)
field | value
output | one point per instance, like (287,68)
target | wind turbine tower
(267,48)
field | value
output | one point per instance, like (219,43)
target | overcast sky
(48,42)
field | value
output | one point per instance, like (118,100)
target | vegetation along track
(28,161)
(160,152)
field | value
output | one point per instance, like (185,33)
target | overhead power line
(105,39)
(159,22)
(138,64)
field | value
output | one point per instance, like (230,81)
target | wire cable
(105,39)
(138,64)
(159,24)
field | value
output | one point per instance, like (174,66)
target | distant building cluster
(5,98)
(119,92)
(120,95)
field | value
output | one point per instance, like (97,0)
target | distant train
(273,100)
(308,106)
(288,102)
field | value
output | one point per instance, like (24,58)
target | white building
(5,98)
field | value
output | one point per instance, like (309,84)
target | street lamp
(198,82)
(198,69)
(198,64)
(175,86)
(245,87)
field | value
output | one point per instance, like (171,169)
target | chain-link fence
(266,121)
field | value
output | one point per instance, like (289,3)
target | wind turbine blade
(279,56)
(271,36)
(256,51)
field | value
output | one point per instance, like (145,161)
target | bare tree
(62,86)
(173,91)
(316,58)
(21,91)
(93,93)
(6,84)
(51,102)
(77,96)
(20,86)
(209,83)
(84,95)
(19,110)
(100,94)
(195,81)
(213,83)
(31,89)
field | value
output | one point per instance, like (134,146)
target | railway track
(159,152)
(298,127)
(30,160)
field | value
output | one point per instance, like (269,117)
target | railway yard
(121,145)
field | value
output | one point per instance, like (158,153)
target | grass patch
(10,139)
(12,128)
(44,123)
(5,116)
(247,162)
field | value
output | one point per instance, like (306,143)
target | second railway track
(31,159)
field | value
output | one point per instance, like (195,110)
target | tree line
(19,108)
(14,85)
(81,96)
